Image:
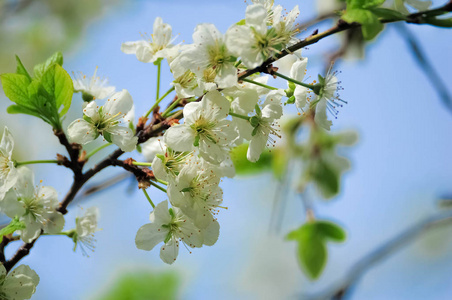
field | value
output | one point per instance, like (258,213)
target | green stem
(159,69)
(97,150)
(239,116)
(136,163)
(161,181)
(259,84)
(158,101)
(149,198)
(158,186)
(309,86)
(171,107)
(238,63)
(30,162)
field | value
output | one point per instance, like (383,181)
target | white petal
(32,231)
(82,132)
(48,196)
(211,233)
(159,169)
(257,145)
(180,138)
(118,104)
(150,235)
(153,146)
(298,69)
(10,206)
(20,283)
(300,94)
(320,115)
(131,47)
(256,16)
(227,76)
(7,143)
(54,222)
(160,215)
(91,110)
(169,251)
(123,137)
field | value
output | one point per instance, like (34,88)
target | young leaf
(312,252)
(14,225)
(15,88)
(326,178)
(40,69)
(17,109)
(244,167)
(371,26)
(331,231)
(20,69)
(58,83)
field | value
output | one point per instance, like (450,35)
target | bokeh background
(401,165)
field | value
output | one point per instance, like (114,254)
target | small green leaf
(244,167)
(363,3)
(371,26)
(107,136)
(331,231)
(56,58)
(15,88)
(14,225)
(58,83)
(241,22)
(326,178)
(20,69)
(312,252)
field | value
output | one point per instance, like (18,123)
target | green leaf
(312,252)
(244,167)
(388,14)
(371,26)
(279,162)
(363,3)
(14,225)
(326,178)
(241,22)
(17,109)
(15,88)
(58,83)
(331,231)
(140,285)
(107,136)
(56,58)
(20,69)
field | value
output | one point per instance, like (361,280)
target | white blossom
(105,120)
(92,88)
(34,205)
(209,57)
(8,172)
(171,227)
(157,46)
(19,284)
(85,227)
(297,72)
(205,128)
(196,192)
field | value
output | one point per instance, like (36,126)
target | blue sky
(400,166)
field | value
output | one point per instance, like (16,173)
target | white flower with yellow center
(92,88)
(85,227)
(34,205)
(19,284)
(157,46)
(209,57)
(171,227)
(106,121)
(8,173)
(205,128)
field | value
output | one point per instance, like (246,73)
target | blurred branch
(316,20)
(425,65)
(342,289)
(12,7)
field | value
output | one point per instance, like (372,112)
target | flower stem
(159,69)
(136,163)
(158,186)
(238,63)
(97,150)
(161,181)
(259,84)
(149,198)
(239,116)
(171,107)
(30,162)
(158,101)
(309,86)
